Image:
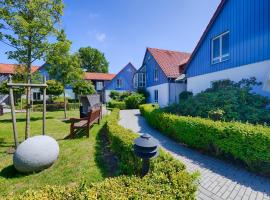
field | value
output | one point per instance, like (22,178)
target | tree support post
(44,107)
(15,132)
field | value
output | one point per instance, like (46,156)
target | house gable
(126,77)
(247,22)
(150,64)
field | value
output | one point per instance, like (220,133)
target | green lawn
(77,161)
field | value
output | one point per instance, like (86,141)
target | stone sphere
(35,154)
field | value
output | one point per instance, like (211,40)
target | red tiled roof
(10,68)
(170,61)
(98,76)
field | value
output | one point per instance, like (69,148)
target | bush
(133,101)
(167,178)
(119,96)
(236,100)
(144,92)
(56,107)
(117,104)
(246,143)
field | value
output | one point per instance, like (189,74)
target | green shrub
(237,101)
(242,142)
(117,104)
(133,101)
(167,178)
(56,107)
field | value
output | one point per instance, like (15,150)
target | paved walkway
(219,180)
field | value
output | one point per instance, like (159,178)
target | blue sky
(122,29)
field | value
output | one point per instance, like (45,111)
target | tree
(54,88)
(92,60)
(83,88)
(25,26)
(62,66)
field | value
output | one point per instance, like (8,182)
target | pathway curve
(218,180)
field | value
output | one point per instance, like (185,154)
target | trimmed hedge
(167,178)
(117,104)
(249,144)
(56,107)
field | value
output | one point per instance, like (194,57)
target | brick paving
(219,180)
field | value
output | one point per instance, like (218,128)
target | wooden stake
(44,107)
(15,132)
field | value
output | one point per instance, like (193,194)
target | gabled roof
(115,76)
(170,61)
(217,12)
(98,76)
(11,68)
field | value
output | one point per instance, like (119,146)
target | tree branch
(9,44)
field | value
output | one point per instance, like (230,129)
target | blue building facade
(158,73)
(122,82)
(235,45)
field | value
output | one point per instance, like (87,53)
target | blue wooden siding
(150,63)
(248,22)
(126,75)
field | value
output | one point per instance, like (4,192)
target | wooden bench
(94,116)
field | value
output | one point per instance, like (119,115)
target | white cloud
(101,37)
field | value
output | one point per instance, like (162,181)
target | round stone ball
(35,154)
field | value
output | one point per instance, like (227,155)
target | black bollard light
(145,147)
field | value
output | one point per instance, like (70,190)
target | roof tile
(170,61)
(10,68)
(98,76)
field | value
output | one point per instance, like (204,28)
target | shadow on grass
(23,119)
(80,133)
(10,172)
(104,157)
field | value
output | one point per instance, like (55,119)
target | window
(141,80)
(220,48)
(36,96)
(99,85)
(156,74)
(119,83)
(135,80)
(156,96)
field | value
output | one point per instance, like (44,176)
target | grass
(78,159)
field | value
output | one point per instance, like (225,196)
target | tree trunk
(28,89)
(28,106)
(65,104)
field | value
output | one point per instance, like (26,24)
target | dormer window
(156,73)
(119,83)
(220,48)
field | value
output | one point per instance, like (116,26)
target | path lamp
(145,147)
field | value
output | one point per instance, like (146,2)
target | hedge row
(117,104)
(167,179)
(245,143)
(56,107)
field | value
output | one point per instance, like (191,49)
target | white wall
(259,70)
(163,94)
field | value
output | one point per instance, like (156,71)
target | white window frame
(221,57)
(119,83)
(156,74)
(99,85)
(36,96)
(156,99)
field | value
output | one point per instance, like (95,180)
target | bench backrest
(94,115)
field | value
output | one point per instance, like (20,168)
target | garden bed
(167,179)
